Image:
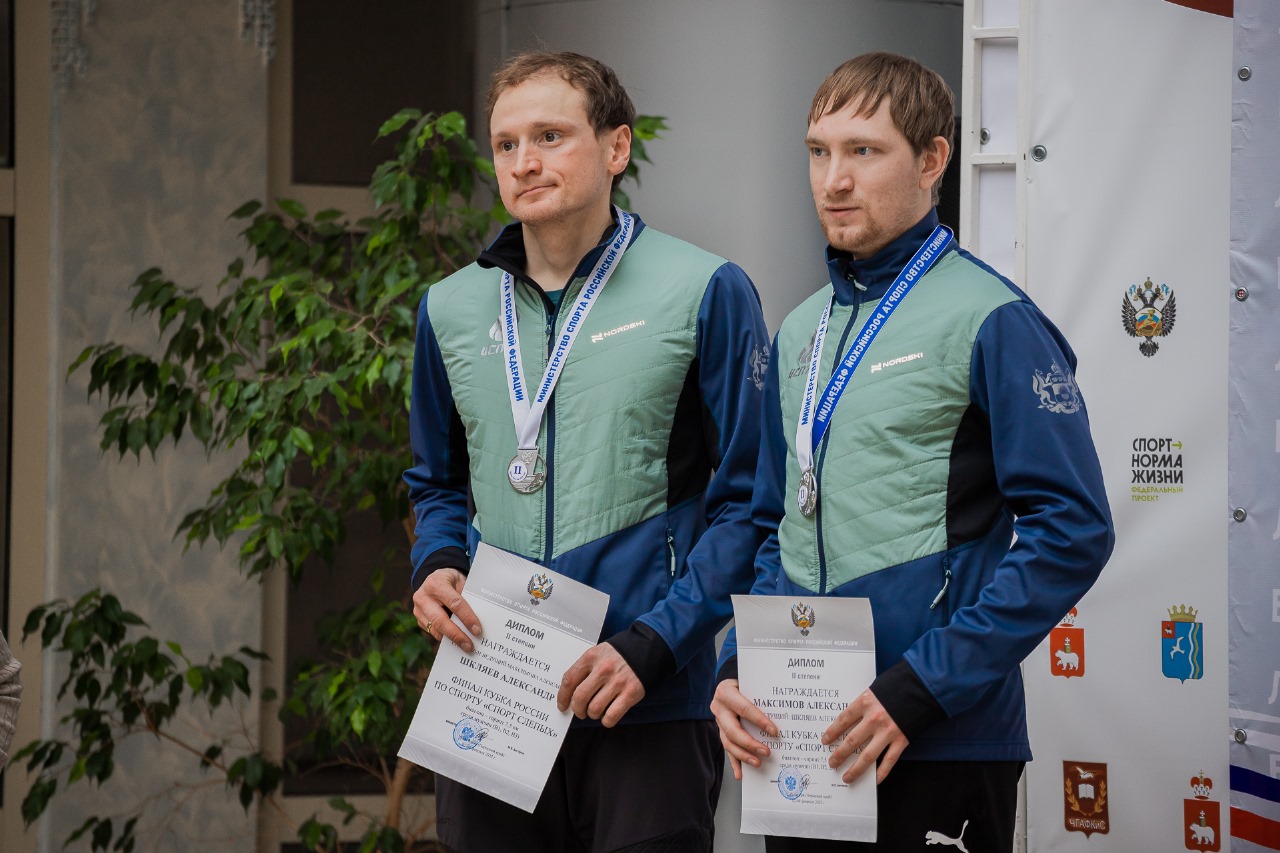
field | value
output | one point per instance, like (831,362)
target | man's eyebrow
(537,125)
(846,142)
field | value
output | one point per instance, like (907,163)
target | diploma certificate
(802,661)
(488,719)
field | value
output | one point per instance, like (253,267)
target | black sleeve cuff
(728,670)
(907,700)
(448,557)
(646,653)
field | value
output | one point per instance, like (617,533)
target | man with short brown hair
(607,104)
(608,479)
(963,431)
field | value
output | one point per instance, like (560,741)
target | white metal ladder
(994,143)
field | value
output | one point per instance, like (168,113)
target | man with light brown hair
(634,477)
(963,432)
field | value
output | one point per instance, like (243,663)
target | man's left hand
(600,685)
(869,726)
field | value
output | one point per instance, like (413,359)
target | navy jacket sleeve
(438,479)
(766,506)
(1047,470)
(730,331)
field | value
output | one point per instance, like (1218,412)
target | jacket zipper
(671,551)
(552,317)
(549,519)
(822,451)
(946,582)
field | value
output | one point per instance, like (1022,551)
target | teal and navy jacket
(961,428)
(650,440)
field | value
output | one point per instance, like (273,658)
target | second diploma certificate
(488,719)
(802,661)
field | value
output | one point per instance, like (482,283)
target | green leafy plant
(122,687)
(302,365)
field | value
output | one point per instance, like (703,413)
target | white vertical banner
(1254,418)
(1127,251)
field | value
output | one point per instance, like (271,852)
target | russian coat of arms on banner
(1148,312)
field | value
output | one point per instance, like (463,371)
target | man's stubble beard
(859,241)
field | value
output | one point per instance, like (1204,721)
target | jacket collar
(879,271)
(507,251)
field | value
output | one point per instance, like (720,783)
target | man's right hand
(730,708)
(439,596)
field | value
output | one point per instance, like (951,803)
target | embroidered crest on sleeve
(1057,391)
(759,365)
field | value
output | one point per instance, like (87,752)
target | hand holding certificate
(489,719)
(802,664)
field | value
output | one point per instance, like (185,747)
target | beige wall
(30,382)
(149,151)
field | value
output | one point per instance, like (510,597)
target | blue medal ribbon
(924,259)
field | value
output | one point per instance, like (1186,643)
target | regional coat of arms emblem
(1143,316)
(540,586)
(759,365)
(803,617)
(1202,816)
(1182,644)
(1084,797)
(1066,647)
(1057,391)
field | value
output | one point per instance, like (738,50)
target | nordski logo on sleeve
(597,337)
(1148,312)
(894,362)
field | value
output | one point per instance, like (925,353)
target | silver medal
(807,494)
(524,473)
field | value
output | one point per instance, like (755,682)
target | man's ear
(934,161)
(618,142)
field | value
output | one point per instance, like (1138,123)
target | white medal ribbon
(527,414)
(804,427)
